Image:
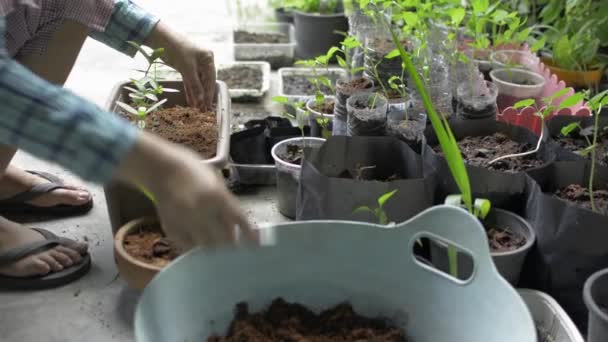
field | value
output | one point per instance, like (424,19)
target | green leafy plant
(378,212)
(595,104)
(145,92)
(313,6)
(349,44)
(295,106)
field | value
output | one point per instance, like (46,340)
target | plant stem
(593,160)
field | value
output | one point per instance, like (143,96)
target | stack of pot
(344,90)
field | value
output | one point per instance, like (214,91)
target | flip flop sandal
(17,204)
(51,280)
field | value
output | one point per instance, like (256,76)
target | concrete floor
(100,307)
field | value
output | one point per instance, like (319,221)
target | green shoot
(348,44)
(296,106)
(378,212)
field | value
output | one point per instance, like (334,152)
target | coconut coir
(286,322)
(150,246)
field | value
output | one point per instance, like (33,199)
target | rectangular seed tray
(278,55)
(337,72)
(126,203)
(249,95)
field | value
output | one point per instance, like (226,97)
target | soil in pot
(293,154)
(368,173)
(575,143)
(479,151)
(354,86)
(282,322)
(245,37)
(327,107)
(149,245)
(188,127)
(504,240)
(368,116)
(241,77)
(300,85)
(580,196)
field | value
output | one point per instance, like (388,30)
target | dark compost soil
(286,322)
(504,240)
(188,127)
(300,85)
(576,143)
(150,246)
(479,151)
(326,107)
(580,196)
(355,85)
(241,77)
(293,154)
(368,173)
(244,37)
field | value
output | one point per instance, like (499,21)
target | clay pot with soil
(344,90)
(283,321)
(271,42)
(206,133)
(246,81)
(510,240)
(321,117)
(515,85)
(366,115)
(288,155)
(596,299)
(476,101)
(141,251)
(317,33)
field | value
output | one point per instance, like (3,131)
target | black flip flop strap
(36,191)
(18,253)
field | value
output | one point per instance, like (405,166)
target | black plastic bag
(326,192)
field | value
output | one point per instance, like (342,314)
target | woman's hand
(196,65)
(194,206)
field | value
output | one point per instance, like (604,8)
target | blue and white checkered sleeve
(129,22)
(54,124)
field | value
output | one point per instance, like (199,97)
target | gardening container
(304,89)
(314,116)
(366,115)
(136,273)
(504,189)
(571,240)
(517,59)
(596,299)
(579,79)
(288,174)
(407,128)
(126,203)
(350,172)
(515,85)
(477,101)
(558,122)
(284,15)
(552,323)
(317,33)
(344,90)
(508,264)
(277,54)
(321,264)
(244,94)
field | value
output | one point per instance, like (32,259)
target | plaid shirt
(54,124)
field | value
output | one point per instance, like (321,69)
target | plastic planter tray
(278,55)
(126,203)
(337,72)
(552,322)
(320,264)
(244,95)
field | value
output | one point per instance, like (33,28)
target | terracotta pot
(136,273)
(590,78)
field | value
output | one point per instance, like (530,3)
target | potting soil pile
(283,322)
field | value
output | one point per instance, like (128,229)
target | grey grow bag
(320,264)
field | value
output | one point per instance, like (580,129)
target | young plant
(145,93)
(349,44)
(595,104)
(296,106)
(313,6)
(378,212)
(543,113)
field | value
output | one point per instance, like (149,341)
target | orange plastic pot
(590,78)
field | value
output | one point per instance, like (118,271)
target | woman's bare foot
(13,235)
(16,181)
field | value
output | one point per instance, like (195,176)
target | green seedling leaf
(136,96)
(587,151)
(539,44)
(384,198)
(280,99)
(141,50)
(342,62)
(457,15)
(319,98)
(572,100)
(410,18)
(364,210)
(332,51)
(153,108)
(557,95)
(565,131)
(127,108)
(392,54)
(325,81)
(524,103)
(152,97)
(351,42)
(482,208)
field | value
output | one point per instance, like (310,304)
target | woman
(42,39)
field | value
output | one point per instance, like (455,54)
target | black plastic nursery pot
(568,146)
(316,33)
(350,172)
(344,90)
(496,185)
(596,299)
(288,172)
(508,263)
(366,115)
(284,15)
(571,240)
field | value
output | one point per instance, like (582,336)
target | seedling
(298,106)
(378,212)
(313,6)
(595,104)
(146,91)
(371,101)
(349,44)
